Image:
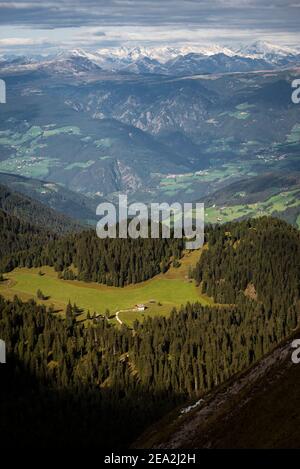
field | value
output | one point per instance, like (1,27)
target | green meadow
(277,203)
(159,294)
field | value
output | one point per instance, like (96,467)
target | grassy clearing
(166,290)
(241,115)
(294,136)
(62,130)
(28,166)
(80,164)
(276,203)
(226,171)
(30,155)
(244,106)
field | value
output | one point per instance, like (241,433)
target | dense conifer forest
(83,255)
(20,237)
(86,384)
(35,213)
(259,258)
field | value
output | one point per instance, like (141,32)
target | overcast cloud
(41,25)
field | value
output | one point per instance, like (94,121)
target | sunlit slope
(160,294)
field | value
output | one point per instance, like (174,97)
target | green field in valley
(159,294)
(276,203)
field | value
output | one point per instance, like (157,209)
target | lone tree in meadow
(40,295)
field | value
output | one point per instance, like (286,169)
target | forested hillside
(19,236)
(81,384)
(35,213)
(257,258)
(115,262)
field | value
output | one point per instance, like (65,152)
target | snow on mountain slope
(266,50)
(161,54)
(156,59)
(186,59)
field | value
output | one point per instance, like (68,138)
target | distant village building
(140,307)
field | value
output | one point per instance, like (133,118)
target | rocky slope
(257,409)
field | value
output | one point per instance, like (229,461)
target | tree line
(83,256)
(259,258)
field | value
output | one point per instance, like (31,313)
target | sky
(42,26)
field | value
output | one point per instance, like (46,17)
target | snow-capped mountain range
(258,49)
(266,51)
(162,54)
(185,60)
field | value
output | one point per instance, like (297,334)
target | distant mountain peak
(265,49)
(163,53)
(164,59)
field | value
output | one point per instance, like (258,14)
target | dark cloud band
(277,15)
